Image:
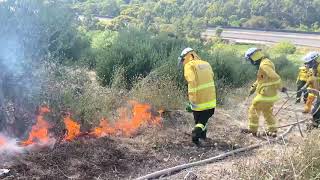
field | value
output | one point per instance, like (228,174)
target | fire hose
(289,97)
(169,171)
(278,111)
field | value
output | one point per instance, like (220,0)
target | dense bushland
(189,17)
(60,57)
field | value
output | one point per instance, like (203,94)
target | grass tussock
(161,92)
(77,91)
(294,162)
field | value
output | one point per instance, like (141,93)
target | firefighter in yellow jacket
(201,91)
(301,81)
(312,61)
(266,87)
(311,84)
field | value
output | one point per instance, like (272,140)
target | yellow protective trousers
(309,103)
(266,109)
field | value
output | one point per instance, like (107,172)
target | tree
(257,22)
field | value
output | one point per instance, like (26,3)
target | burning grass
(72,128)
(130,119)
(40,131)
(103,129)
(121,157)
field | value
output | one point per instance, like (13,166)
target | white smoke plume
(9,148)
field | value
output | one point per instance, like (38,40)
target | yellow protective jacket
(313,80)
(268,83)
(201,86)
(303,74)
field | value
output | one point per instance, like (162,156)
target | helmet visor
(180,61)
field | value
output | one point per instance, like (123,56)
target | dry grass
(301,161)
(161,92)
(77,91)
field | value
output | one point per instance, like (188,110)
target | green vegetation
(188,17)
(48,55)
(284,48)
(74,57)
(71,56)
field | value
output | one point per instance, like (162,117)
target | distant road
(260,36)
(265,37)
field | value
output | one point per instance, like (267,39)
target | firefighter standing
(201,91)
(301,81)
(311,84)
(266,86)
(311,60)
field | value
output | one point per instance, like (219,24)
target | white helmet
(249,52)
(183,53)
(310,57)
(186,51)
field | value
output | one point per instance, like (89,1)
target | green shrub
(230,70)
(217,21)
(256,22)
(285,68)
(229,67)
(284,47)
(138,53)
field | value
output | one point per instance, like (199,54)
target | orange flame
(73,128)
(39,132)
(103,129)
(129,121)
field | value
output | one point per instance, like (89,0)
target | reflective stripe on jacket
(201,86)
(268,83)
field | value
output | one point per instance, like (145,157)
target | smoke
(17,87)
(9,148)
(19,83)
(34,35)
(9,53)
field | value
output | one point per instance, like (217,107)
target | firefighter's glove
(188,107)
